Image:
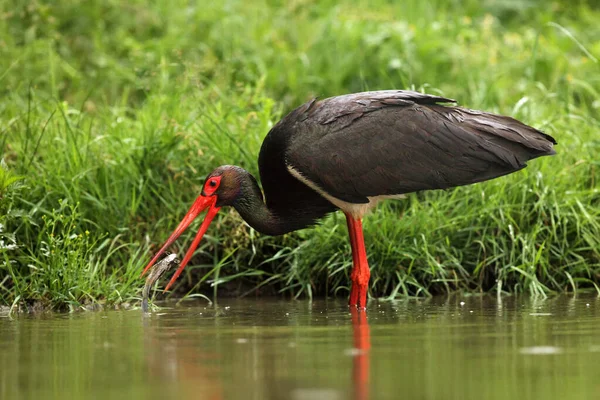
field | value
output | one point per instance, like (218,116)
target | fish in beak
(201,203)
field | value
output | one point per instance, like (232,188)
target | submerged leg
(360,267)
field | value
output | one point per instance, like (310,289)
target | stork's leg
(360,267)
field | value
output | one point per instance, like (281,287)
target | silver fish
(161,267)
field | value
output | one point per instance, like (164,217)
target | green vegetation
(113,112)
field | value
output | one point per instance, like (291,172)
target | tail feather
(506,137)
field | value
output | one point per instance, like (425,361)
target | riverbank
(112,115)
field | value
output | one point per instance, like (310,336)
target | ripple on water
(540,350)
(315,394)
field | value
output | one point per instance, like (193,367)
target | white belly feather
(357,211)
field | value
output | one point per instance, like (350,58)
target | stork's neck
(251,206)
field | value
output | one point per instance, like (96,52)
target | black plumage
(388,143)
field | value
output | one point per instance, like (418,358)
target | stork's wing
(394,142)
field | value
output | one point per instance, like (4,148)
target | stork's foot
(358,296)
(360,287)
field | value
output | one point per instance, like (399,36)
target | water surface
(457,348)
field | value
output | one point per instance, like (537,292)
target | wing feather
(395,142)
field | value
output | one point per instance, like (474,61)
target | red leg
(360,269)
(351,230)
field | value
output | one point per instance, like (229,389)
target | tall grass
(113,112)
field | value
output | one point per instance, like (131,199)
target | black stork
(349,152)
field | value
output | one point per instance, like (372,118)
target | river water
(440,348)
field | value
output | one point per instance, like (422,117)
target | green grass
(112,113)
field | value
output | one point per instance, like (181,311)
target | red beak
(201,203)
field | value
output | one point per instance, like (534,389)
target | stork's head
(221,188)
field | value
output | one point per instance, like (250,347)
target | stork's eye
(211,185)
